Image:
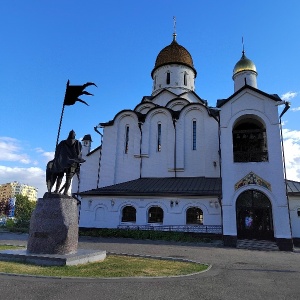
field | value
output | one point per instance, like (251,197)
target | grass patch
(112,266)
(10,247)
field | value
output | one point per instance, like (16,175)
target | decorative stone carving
(252,178)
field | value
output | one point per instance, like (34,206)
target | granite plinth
(82,256)
(54,226)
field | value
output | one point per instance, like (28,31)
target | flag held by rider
(75,91)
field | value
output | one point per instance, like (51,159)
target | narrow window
(298,212)
(194,134)
(158,137)
(185,79)
(168,77)
(126,139)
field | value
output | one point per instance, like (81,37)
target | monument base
(80,257)
(53,236)
(54,226)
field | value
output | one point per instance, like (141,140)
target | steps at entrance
(257,245)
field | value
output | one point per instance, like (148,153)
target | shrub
(144,234)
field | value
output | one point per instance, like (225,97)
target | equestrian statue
(67,160)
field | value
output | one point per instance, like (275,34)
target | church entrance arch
(254,216)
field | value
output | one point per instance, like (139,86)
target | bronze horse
(67,161)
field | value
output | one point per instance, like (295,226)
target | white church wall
(127,164)
(108,159)
(156,163)
(212,160)
(177,104)
(253,102)
(143,108)
(239,79)
(119,164)
(88,173)
(176,78)
(163,98)
(107,212)
(270,171)
(294,205)
(191,97)
(193,160)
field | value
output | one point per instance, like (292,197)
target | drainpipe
(286,108)
(100,153)
(217,119)
(141,141)
(175,166)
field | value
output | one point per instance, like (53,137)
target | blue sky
(115,44)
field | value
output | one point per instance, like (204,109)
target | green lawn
(112,266)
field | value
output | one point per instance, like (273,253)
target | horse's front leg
(58,182)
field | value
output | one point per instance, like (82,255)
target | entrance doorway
(254,216)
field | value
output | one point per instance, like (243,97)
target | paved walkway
(235,274)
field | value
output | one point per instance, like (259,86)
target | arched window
(128,214)
(168,77)
(185,78)
(159,137)
(249,141)
(126,138)
(155,215)
(194,215)
(194,128)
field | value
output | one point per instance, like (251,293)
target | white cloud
(32,176)
(289,95)
(46,154)
(13,156)
(292,153)
(10,150)
(295,109)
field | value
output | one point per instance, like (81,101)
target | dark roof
(183,186)
(87,137)
(293,187)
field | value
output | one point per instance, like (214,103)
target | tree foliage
(23,210)
(4,207)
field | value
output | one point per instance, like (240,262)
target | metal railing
(214,229)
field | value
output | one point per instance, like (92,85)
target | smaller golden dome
(244,64)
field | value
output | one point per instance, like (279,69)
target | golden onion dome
(174,54)
(244,64)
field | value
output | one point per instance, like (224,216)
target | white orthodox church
(175,163)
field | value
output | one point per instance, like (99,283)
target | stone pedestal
(54,226)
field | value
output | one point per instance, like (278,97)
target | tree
(23,210)
(4,207)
